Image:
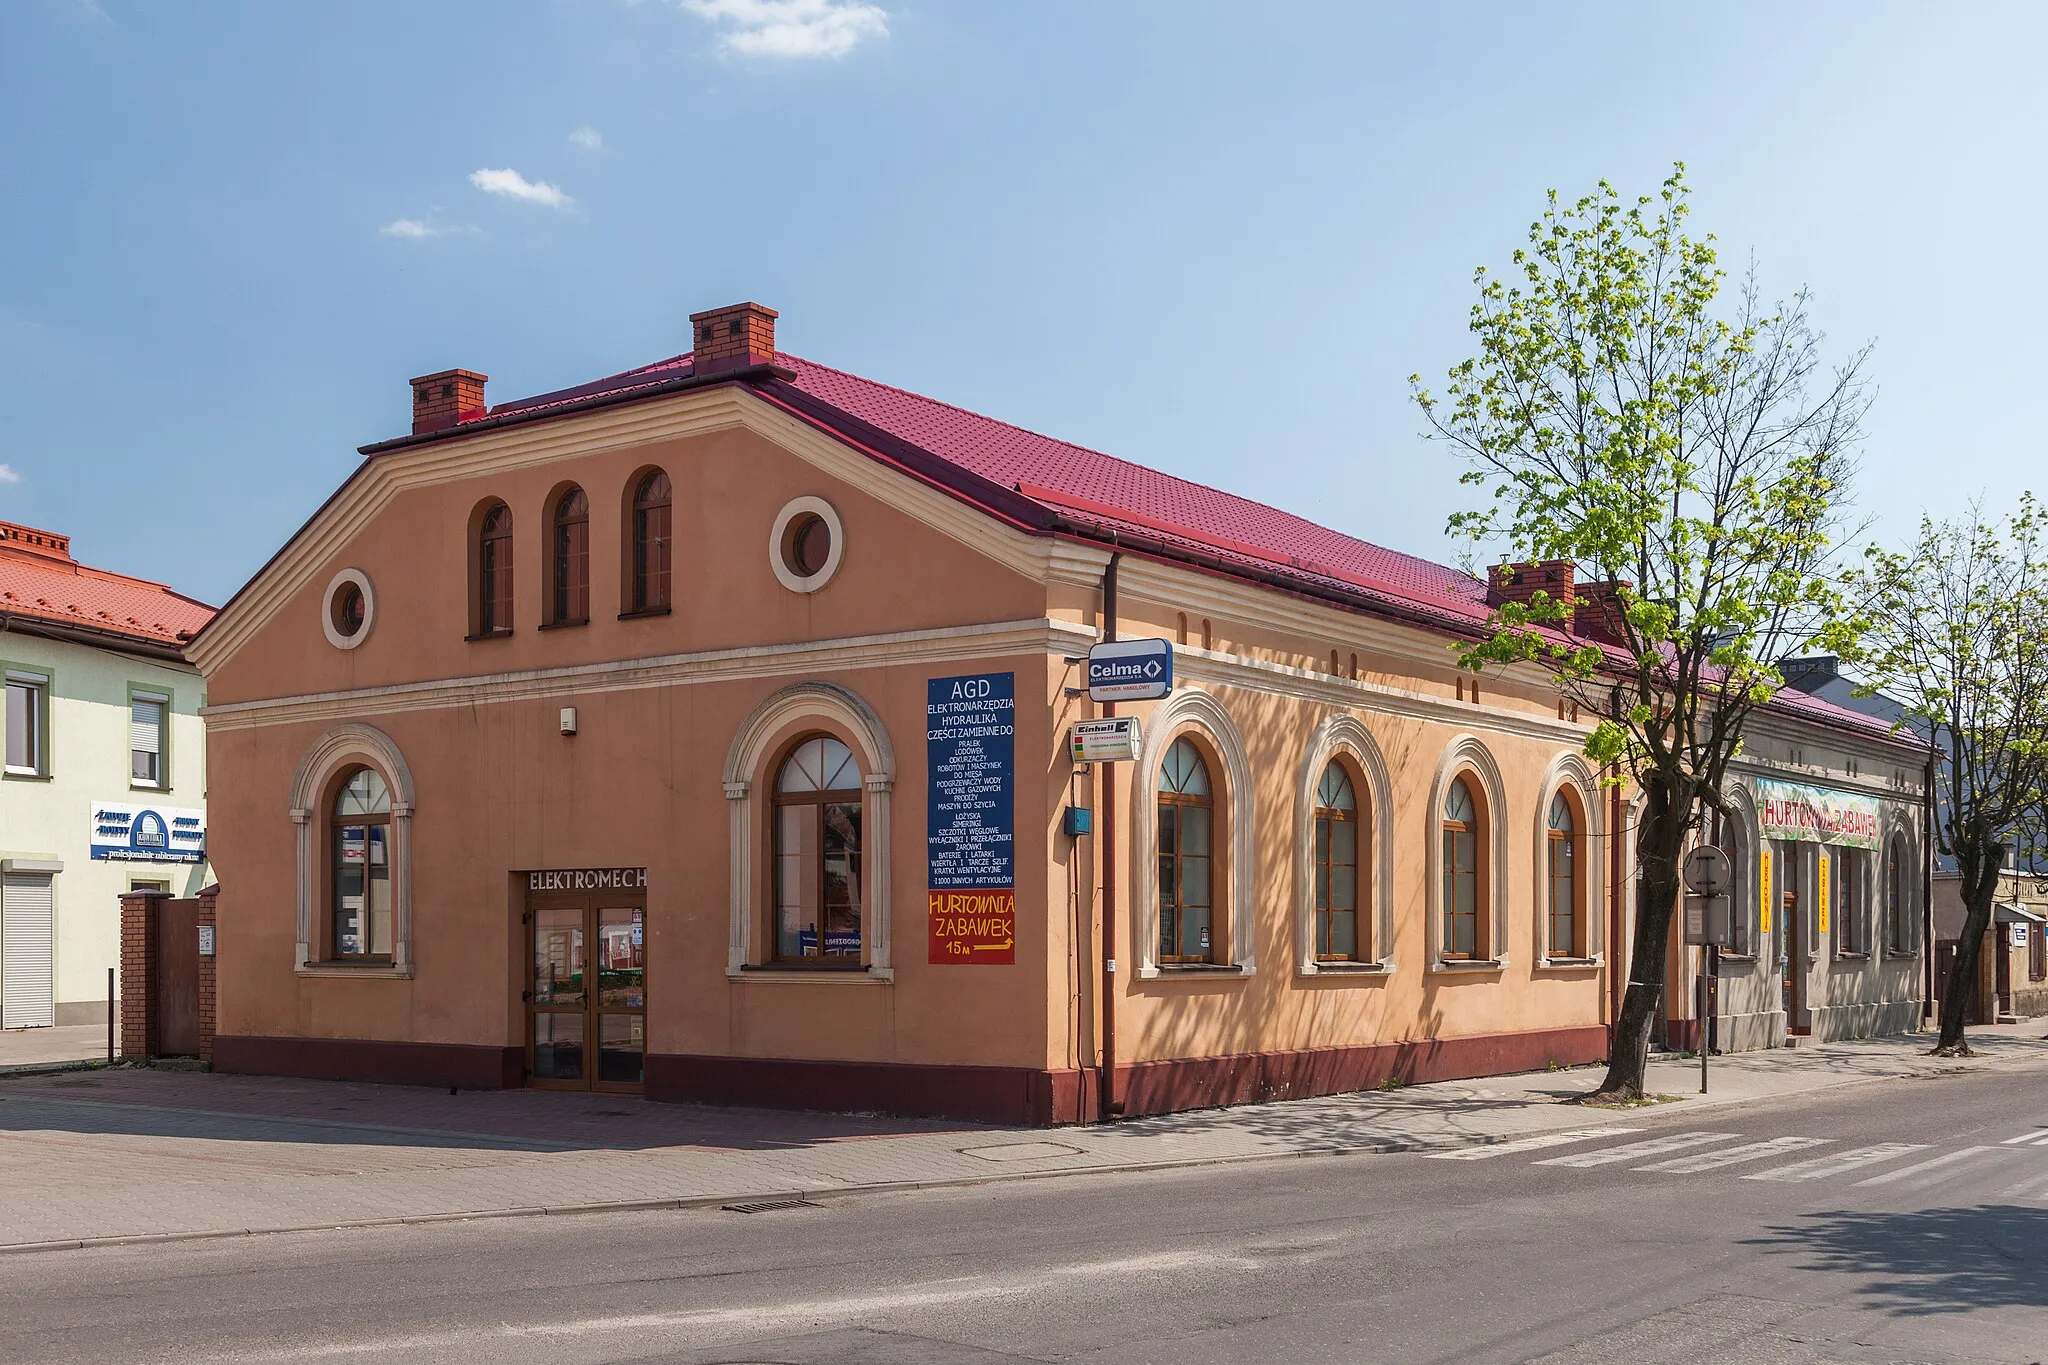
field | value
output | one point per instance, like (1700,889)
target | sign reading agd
(970,844)
(1130,670)
(124,832)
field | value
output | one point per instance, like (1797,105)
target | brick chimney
(27,540)
(1598,614)
(1520,582)
(440,400)
(732,338)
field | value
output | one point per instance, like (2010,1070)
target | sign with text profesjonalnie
(970,764)
(123,832)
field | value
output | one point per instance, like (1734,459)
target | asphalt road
(1899,1221)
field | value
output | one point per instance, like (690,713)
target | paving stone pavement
(136,1152)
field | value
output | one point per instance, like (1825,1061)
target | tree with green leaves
(1958,636)
(1686,451)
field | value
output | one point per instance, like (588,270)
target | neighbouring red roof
(1100,493)
(40,581)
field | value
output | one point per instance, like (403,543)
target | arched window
(1562,846)
(1337,880)
(494,572)
(1186,857)
(651,545)
(1464,926)
(1852,877)
(817,854)
(570,570)
(360,846)
(1895,937)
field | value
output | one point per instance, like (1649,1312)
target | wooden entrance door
(1792,950)
(177,978)
(586,1017)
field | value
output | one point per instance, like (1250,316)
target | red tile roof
(40,581)
(1099,493)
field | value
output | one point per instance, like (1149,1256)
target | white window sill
(373,971)
(1570,964)
(779,975)
(1469,964)
(33,773)
(1339,967)
(1193,971)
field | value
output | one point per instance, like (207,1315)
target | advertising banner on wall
(1817,815)
(123,832)
(970,764)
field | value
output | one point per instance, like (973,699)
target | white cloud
(513,185)
(588,138)
(7,474)
(792,28)
(409,227)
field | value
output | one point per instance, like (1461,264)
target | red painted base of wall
(1022,1096)
(354,1059)
(980,1094)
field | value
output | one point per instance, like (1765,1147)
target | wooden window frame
(1448,829)
(493,596)
(1896,937)
(838,796)
(568,558)
(1323,867)
(41,683)
(650,528)
(332,822)
(1178,801)
(1573,844)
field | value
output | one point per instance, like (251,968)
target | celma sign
(1130,670)
(147,834)
(1817,815)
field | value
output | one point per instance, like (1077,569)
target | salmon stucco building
(706,731)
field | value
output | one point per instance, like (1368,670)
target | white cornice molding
(625,427)
(807,658)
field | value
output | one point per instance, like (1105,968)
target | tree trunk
(1979,863)
(1660,843)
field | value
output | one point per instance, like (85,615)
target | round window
(806,544)
(810,546)
(348,609)
(351,609)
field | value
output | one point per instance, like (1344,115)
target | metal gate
(28,939)
(177,978)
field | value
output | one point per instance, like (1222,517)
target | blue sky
(1212,238)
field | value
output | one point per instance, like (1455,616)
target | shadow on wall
(1928,1262)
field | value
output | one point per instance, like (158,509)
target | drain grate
(766,1205)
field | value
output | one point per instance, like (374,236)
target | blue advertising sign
(122,832)
(970,756)
(1130,670)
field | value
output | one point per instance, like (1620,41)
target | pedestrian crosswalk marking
(1628,1152)
(1936,1170)
(2037,1138)
(1735,1156)
(1836,1163)
(1527,1144)
(2034,1186)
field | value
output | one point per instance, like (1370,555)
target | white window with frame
(148,714)
(27,722)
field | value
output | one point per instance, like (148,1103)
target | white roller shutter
(28,924)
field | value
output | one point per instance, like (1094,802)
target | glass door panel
(621,970)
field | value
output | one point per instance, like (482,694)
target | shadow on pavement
(1931,1261)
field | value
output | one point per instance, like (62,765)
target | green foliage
(1684,450)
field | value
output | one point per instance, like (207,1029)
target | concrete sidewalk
(138,1154)
(66,1044)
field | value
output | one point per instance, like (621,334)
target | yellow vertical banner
(1820,871)
(1764,899)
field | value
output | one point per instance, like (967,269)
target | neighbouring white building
(104,789)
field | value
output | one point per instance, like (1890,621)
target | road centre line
(1631,1151)
(1735,1156)
(1836,1163)
(1936,1164)
(1527,1144)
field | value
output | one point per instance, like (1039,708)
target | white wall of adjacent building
(86,757)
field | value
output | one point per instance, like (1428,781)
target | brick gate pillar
(207,998)
(138,972)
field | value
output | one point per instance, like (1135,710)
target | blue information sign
(971,759)
(1130,670)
